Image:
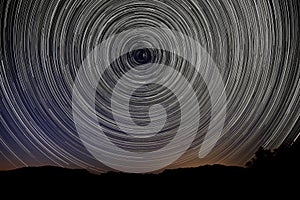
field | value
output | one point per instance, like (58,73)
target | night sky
(139,86)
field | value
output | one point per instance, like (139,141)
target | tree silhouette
(263,158)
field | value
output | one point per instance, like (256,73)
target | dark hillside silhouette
(282,163)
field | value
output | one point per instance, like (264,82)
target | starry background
(255,44)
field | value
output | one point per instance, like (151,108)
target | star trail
(163,80)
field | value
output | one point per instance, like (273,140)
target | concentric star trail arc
(255,45)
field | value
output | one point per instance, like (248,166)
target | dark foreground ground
(272,173)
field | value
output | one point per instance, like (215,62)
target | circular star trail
(254,44)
